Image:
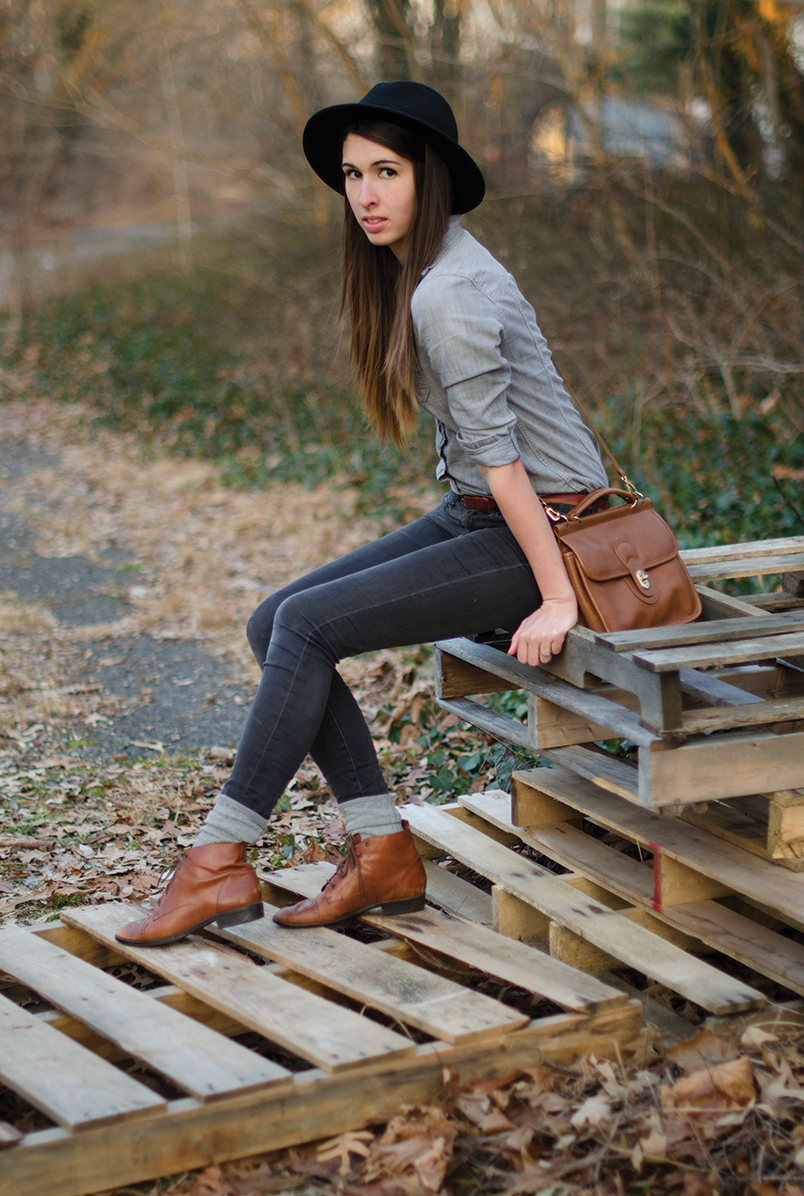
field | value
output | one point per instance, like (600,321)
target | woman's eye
(387,172)
(351,174)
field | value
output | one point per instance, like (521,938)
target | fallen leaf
(313,853)
(705,1050)
(520,1139)
(415,1149)
(783,1086)
(654,1146)
(479,1109)
(715,1090)
(343,1146)
(594,1111)
(755,1036)
(211,1182)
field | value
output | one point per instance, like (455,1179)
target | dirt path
(141,576)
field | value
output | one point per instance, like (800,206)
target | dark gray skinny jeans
(452,572)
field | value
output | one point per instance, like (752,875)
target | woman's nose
(367,193)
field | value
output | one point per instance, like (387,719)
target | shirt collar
(451,236)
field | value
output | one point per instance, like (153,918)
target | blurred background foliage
(167,257)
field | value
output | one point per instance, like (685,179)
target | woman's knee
(260,626)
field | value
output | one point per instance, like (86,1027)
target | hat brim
(322,148)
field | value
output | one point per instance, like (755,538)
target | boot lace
(349,863)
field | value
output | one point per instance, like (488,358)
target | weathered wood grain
(319,1031)
(73,1087)
(759,880)
(313,1106)
(475,945)
(602,927)
(197,1060)
(419,998)
(748,941)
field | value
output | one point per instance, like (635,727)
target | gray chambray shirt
(485,373)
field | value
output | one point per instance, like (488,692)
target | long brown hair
(377,289)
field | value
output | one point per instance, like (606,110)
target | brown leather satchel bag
(624,564)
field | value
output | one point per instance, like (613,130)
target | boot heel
(410,906)
(248,913)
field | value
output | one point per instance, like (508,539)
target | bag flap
(616,543)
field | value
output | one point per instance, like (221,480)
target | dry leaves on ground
(598,1128)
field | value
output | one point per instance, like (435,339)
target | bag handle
(584,410)
(630,496)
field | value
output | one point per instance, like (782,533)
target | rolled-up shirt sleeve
(460,330)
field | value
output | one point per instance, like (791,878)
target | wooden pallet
(342,1033)
(682,882)
(714,710)
(532,902)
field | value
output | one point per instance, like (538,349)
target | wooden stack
(683,831)
(712,711)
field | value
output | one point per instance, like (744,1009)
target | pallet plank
(193,1057)
(602,927)
(595,707)
(499,725)
(325,1034)
(604,770)
(717,605)
(456,678)
(757,566)
(737,765)
(731,765)
(72,1086)
(475,945)
(581,664)
(711,631)
(457,896)
(9,1135)
(704,656)
(757,825)
(784,545)
(414,996)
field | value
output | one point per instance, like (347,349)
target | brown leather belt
(484,502)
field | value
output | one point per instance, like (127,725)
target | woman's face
(381,189)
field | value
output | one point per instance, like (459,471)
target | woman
(436,323)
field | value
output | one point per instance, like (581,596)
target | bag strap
(584,410)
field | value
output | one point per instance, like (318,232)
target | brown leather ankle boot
(213,883)
(383,870)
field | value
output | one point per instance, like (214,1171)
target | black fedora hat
(412,105)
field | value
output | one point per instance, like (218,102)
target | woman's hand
(541,636)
